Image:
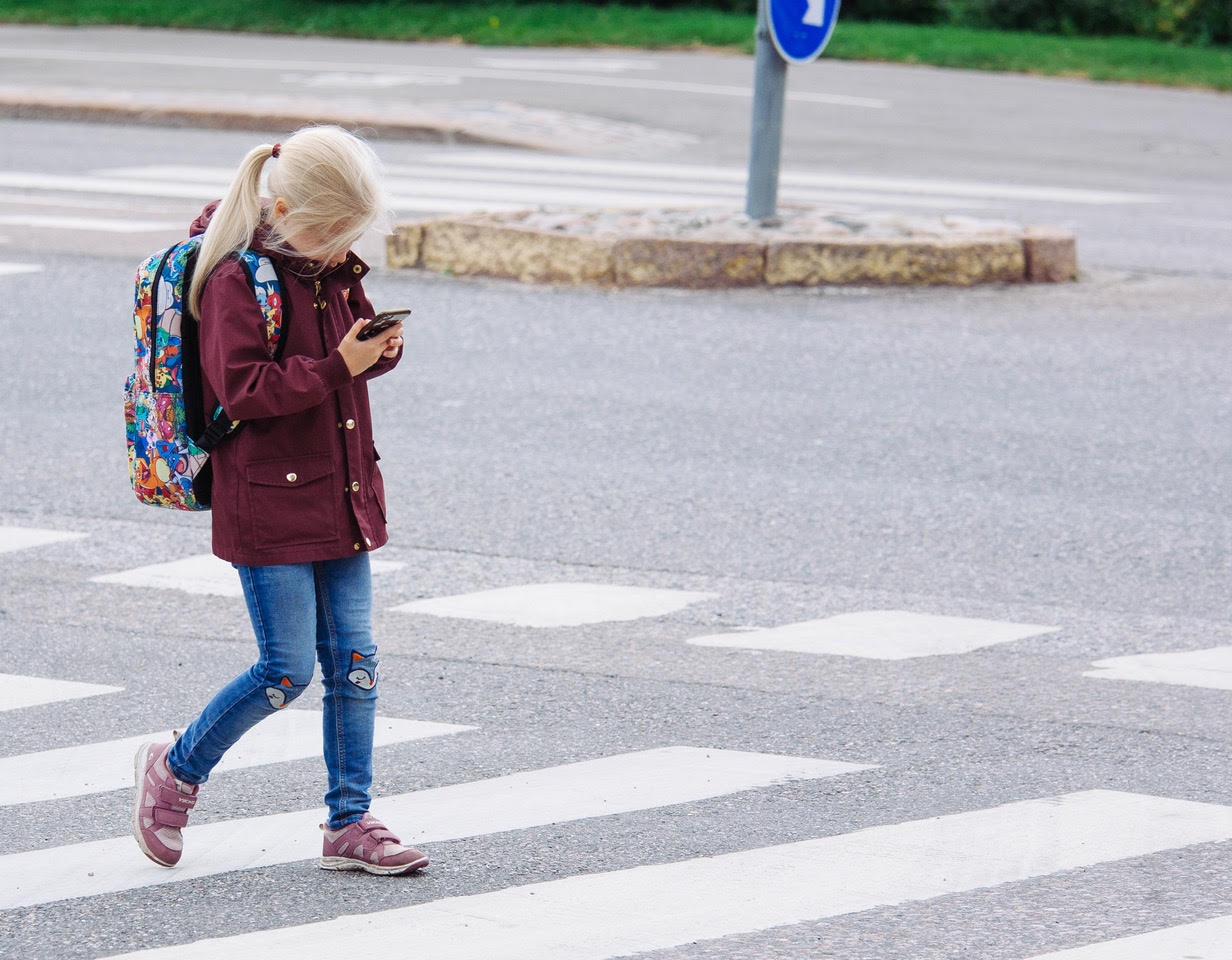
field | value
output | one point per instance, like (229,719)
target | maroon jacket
(299,482)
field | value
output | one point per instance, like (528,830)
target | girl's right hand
(361,354)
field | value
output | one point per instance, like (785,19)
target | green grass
(571,24)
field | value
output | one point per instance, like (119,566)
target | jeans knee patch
(361,671)
(282,693)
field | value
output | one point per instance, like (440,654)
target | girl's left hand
(392,346)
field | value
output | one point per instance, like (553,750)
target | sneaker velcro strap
(381,834)
(169,796)
(169,818)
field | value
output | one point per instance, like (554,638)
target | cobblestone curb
(717,248)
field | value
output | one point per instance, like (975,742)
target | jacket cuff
(333,371)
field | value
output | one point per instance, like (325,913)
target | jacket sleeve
(361,306)
(235,362)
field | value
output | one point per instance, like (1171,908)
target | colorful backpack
(169,436)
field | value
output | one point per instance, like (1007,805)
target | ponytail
(233,224)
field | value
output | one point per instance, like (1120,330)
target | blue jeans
(301,613)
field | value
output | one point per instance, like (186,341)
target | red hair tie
(277,150)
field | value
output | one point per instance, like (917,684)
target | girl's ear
(281,208)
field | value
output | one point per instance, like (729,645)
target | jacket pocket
(292,501)
(378,488)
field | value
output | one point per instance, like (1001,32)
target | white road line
(957,188)
(879,635)
(1210,668)
(201,574)
(478,193)
(99,767)
(474,73)
(441,186)
(18,691)
(557,604)
(633,911)
(23,538)
(592,788)
(100,224)
(580,64)
(1204,940)
(75,183)
(12,269)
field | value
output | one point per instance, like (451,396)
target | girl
(297,501)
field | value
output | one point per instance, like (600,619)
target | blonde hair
(330,180)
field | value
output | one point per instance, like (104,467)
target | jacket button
(350,424)
(291,478)
(357,268)
(356,546)
(355,486)
(339,424)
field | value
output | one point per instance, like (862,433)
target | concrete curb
(184,112)
(490,123)
(484,246)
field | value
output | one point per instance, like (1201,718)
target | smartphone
(381,322)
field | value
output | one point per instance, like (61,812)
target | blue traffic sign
(801,28)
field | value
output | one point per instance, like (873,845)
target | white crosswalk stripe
(558,604)
(17,691)
(1210,668)
(608,915)
(879,635)
(12,269)
(201,574)
(1204,940)
(591,788)
(23,538)
(98,767)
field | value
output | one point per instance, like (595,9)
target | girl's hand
(392,346)
(361,354)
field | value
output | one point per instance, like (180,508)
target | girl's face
(330,250)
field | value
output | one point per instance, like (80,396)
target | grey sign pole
(769,84)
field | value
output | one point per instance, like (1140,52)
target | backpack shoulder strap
(266,282)
(266,285)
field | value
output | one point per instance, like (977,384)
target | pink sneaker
(368,845)
(161,805)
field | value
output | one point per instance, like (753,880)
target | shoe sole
(346,863)
(139,766)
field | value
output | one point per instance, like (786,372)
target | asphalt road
(1046,456)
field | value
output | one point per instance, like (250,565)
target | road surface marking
(581,64)
(624,912)
(1191,668)
(23,538)
(879,635)
(17,691)
(473,73)
(1204,940)
(446,187)
(558,604)
(202,574)
(489,158)
(368,81)
(575,791)
(100,767)
(101,224)
(11,269)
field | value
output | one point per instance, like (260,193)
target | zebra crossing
(437,181)
(667,904)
